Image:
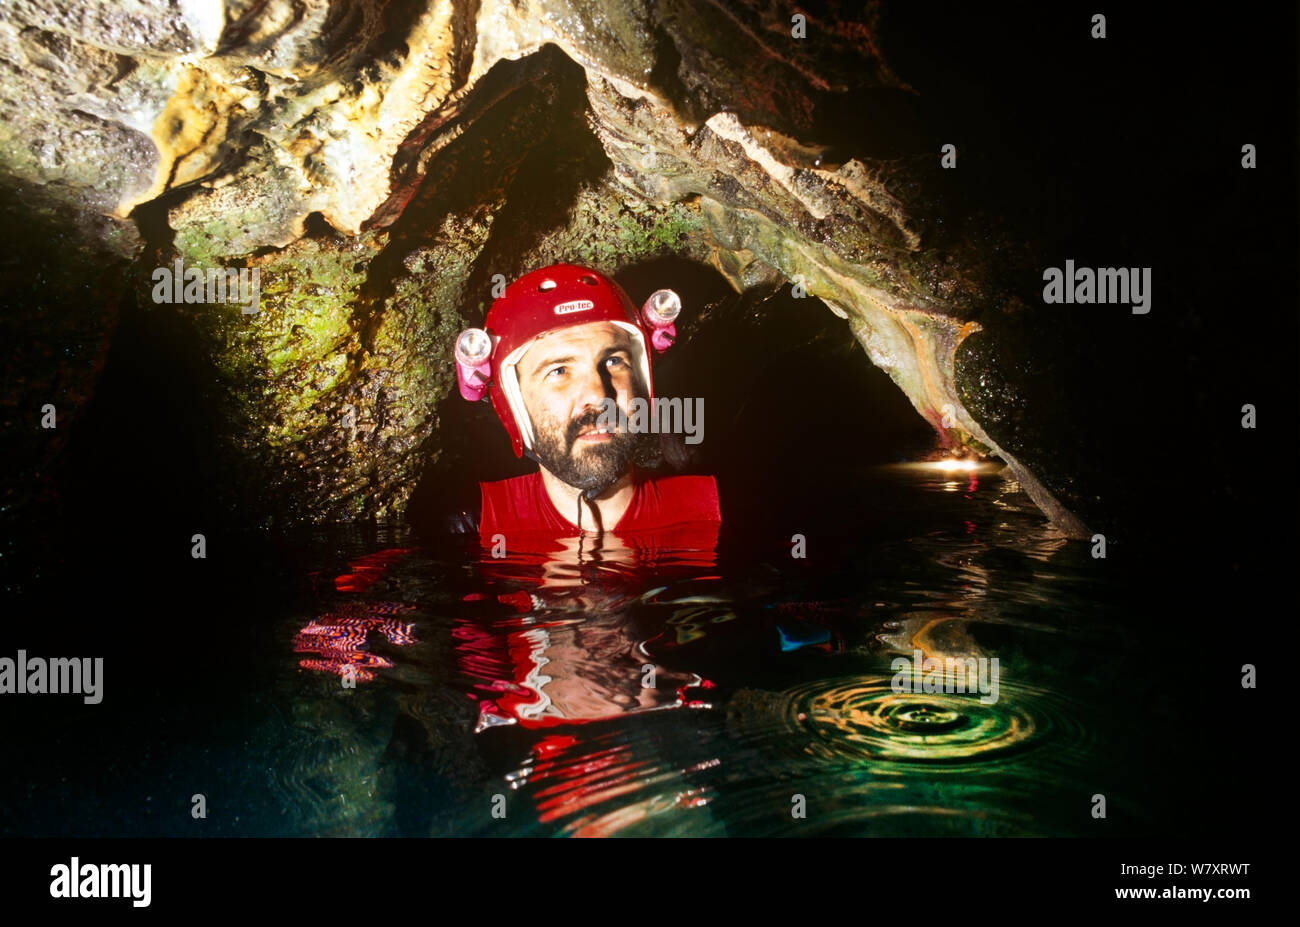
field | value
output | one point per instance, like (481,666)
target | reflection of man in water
(561,344)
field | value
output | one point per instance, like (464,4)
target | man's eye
(614,361)
(556,370)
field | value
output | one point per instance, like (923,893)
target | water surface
(395,686)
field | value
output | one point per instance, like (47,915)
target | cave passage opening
(794,411)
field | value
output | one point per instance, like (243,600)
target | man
(564,345)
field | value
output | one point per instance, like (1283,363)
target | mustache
(587,419)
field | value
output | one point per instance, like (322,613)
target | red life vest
(674,511)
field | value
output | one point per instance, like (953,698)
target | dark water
(518,687)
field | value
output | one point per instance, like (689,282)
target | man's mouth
(596,434)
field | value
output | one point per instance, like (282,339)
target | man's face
(565,377)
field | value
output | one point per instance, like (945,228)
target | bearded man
(563,353)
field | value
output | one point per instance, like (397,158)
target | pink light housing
(473,363)
(660,312)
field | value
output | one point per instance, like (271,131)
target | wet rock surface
(382,165)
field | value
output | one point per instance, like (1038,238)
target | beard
(594,467)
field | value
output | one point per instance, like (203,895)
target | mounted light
(473,363)
(662,307)
(473,347)
(659,312)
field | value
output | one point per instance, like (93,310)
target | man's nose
(593,388)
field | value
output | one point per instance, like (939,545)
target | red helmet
(555,297)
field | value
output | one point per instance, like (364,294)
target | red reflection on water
(564,653)
(541,673)
(368,569)
(583,782)
(339,638)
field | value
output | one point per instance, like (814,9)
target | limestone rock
(379,163)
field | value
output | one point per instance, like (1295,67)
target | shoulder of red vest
(699,491)
(497,488)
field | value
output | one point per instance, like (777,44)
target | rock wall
(382,165)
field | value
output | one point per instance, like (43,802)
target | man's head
(566,378)
(567,312)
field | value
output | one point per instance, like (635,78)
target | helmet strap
(590,496)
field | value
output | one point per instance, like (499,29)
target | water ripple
(863,718)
